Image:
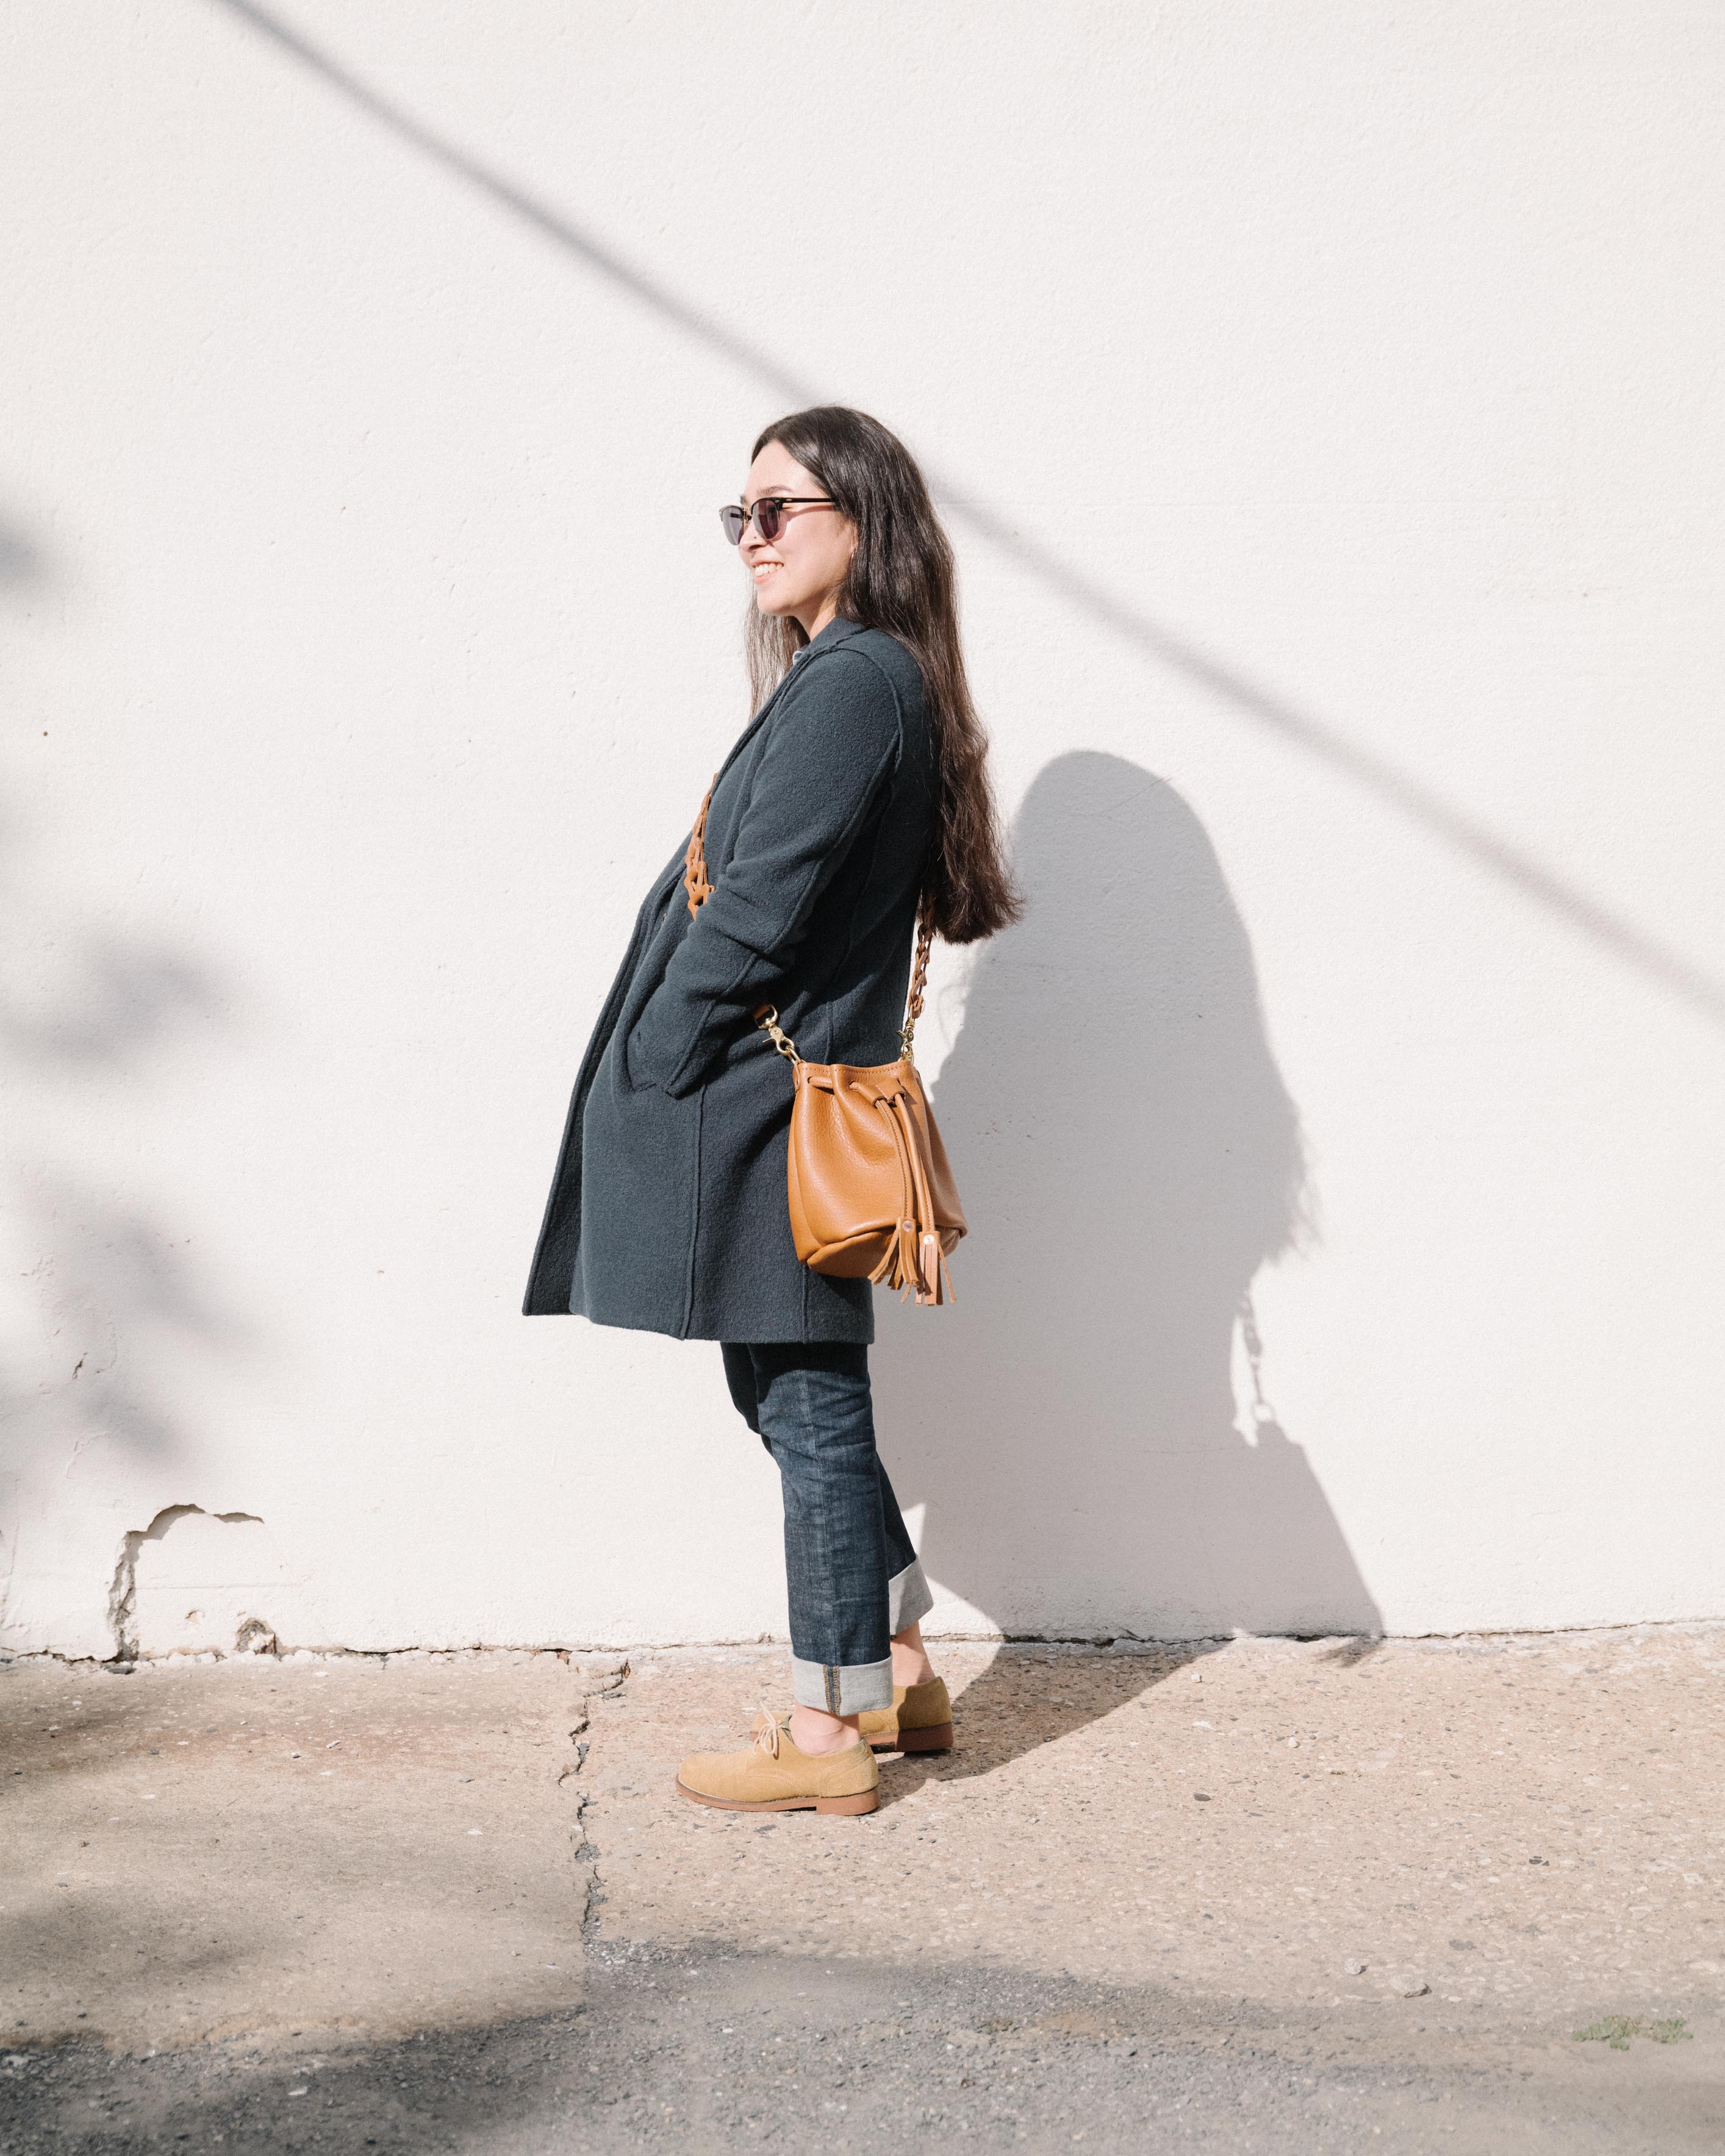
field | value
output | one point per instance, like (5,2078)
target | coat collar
(836,631)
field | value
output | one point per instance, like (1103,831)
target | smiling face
(801,572)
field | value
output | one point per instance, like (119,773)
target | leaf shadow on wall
(105,1306)
(1129,1159)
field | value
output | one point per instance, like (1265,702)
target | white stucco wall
(1325,401)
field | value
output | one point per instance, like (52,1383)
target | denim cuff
(908,1600)
(841,1690)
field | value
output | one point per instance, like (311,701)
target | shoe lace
(769,1728)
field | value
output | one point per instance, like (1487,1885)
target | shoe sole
(865,1800)
(937,1737)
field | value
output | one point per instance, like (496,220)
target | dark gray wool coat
(668,1210)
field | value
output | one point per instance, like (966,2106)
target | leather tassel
(913,1261)
(897,1267)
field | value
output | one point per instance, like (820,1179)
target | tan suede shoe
(920,1719)
(776,1777)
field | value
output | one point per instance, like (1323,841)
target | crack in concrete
(600,1681)
(123,1588)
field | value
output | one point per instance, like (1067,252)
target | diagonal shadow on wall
(1399,790)
(1129,1159)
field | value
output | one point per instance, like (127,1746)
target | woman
(858,788)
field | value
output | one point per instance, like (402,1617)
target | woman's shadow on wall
(1128,1158)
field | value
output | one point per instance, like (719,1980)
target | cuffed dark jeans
(854,1578)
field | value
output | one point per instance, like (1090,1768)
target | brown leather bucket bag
(871,1194)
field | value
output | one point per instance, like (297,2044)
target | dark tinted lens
(735,523)
(769,516)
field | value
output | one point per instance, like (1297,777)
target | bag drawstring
(913,1258)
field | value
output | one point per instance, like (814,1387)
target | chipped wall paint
(1317,397)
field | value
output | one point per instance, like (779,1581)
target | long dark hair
(901,579)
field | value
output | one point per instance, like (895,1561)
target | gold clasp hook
(767,1018)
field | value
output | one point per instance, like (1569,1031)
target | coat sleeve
(836,741)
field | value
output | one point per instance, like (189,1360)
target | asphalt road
(709,2051)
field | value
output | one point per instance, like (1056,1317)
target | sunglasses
(767,515)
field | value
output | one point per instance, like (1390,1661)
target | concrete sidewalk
(1260,1895)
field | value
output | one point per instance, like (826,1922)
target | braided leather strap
(694,880)
(919,981)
